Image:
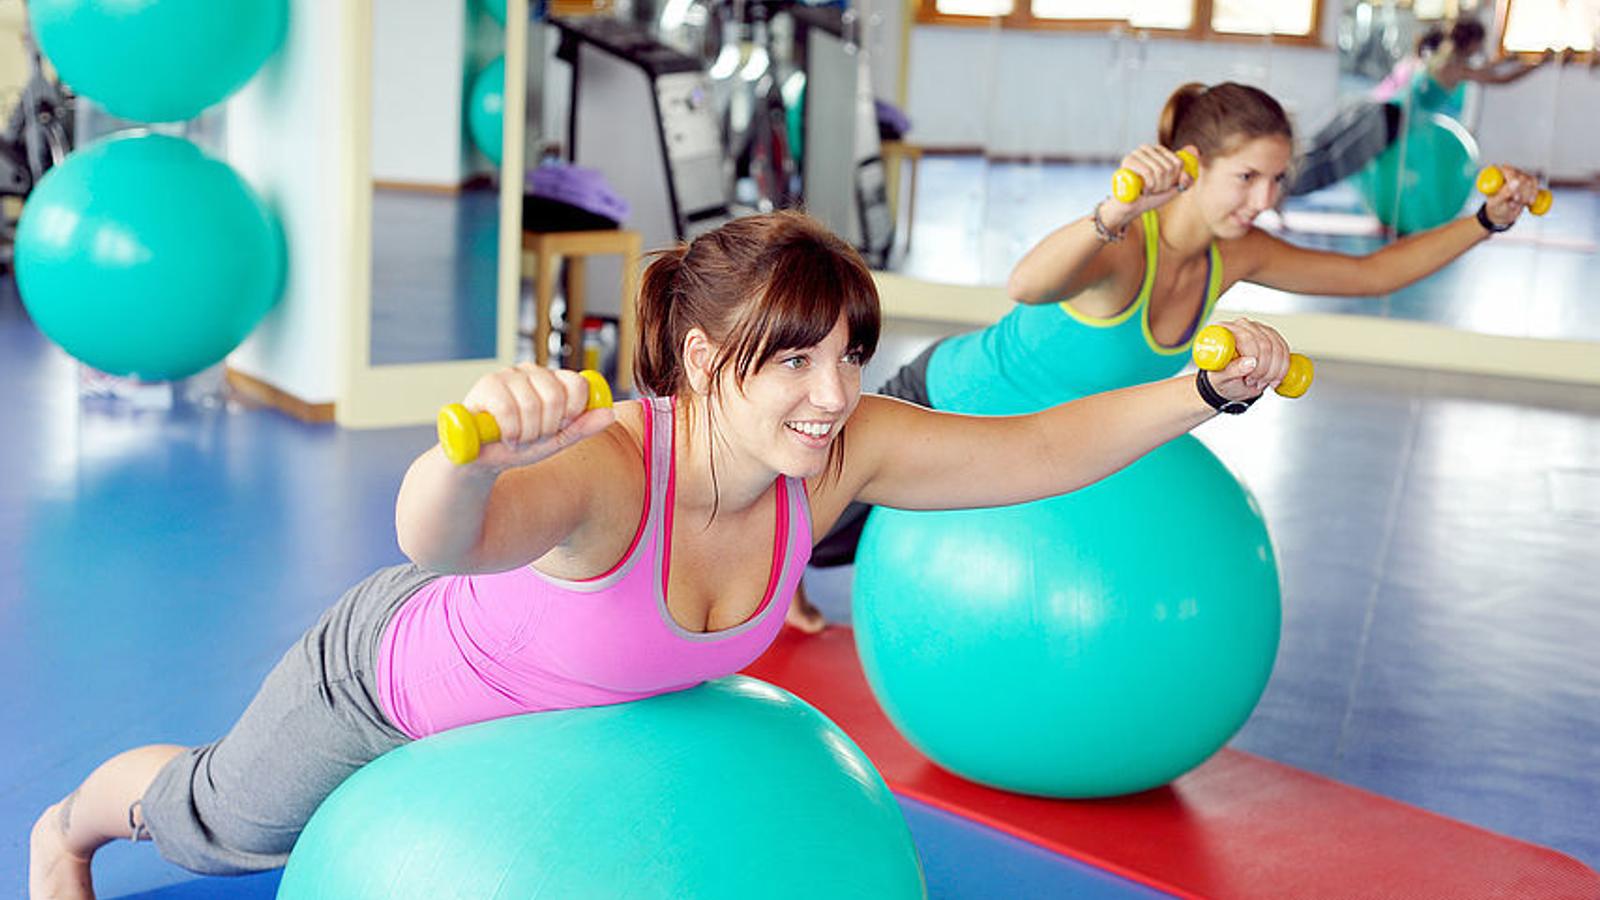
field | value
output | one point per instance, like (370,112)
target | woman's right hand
(540,412)
(1164,177)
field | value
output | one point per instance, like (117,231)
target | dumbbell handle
(462,432)
(1491,180)
(1214,349)
(1127,185)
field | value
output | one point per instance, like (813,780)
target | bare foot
(804,617)
(53,872)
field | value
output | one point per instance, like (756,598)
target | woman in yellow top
(1116,296)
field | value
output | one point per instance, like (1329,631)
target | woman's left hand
(1520,190)
(1261,361)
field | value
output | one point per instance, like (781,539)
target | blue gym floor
(1437,537)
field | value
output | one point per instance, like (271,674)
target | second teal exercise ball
(486,109)
(727,791)
(1089,645)
(142,256)
(158,60)
(1424,178)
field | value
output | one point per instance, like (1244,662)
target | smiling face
(1236,187)
(787,414)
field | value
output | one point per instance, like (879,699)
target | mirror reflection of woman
(1115,297)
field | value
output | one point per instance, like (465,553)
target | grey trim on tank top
(662,420)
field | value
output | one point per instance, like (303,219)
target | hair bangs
(811,286)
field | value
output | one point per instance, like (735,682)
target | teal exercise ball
(142,256)
(1090,645)
(732,789)
(486,109)
(158,60)
(1424,178)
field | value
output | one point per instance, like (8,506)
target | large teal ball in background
(486,109)
(734,789)
(158,60)
(142,256)
(1095,644)
(1424,178)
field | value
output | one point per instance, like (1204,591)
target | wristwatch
(1216,401)
(1488,223)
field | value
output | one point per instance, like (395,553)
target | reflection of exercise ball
(1441,163)
(158,61)
(732,789)
(1089,645)
(497,9)
(142,256)
(486,108)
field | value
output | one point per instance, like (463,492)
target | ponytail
(656,367)
(1178,105)
(1214,119)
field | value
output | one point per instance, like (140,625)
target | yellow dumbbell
(462,432)
(1491,180)
(1214,349)
(1127,185)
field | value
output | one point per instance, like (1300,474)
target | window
(1292,19)
(1533,26)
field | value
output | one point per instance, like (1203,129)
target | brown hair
(756,286)
(1213,119)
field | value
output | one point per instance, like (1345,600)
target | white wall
(1549,120)
(419,69)
(1087,95)
(286,134)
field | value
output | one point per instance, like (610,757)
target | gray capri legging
(838,546)
(237,805)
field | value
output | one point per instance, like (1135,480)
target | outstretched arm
(908,457)
(1267,260)
(1075,257)
(523,495)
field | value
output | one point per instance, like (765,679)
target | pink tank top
(467,648)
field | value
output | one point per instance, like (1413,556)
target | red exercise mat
(1237,827)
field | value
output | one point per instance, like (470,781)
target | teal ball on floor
(158,60)
(1090,645)
(733,789)
(142,256)
(1425,178)
(486,109)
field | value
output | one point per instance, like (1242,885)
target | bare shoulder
(878,424)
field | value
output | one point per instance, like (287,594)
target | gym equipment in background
(158,61)
(641,115)
(140,255)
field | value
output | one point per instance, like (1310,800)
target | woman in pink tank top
(595,557)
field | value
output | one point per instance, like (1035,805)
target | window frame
(1502,18)
(1021,18)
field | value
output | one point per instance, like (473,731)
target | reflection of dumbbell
(1127,185)
(1491,180)
(462,431)
(1213,350)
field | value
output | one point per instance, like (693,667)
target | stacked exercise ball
(1425,176)
(142,256)
(486,109)
(158,60)
(733,789)
(1089,645)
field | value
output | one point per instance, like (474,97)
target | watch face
(1233,407)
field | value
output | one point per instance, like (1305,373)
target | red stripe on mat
(1238,826)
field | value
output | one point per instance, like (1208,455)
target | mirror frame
(412,393)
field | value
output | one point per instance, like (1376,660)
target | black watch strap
(1202,381)
(1488,223)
